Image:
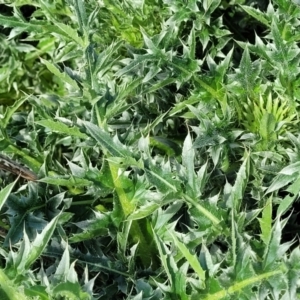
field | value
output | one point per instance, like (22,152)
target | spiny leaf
(105,141)
(41,241)
(266,222)
(61,75)
(4,193)
(191,258)
(237,191)
(61,128)
(256,14)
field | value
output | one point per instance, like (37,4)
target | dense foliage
(165,137)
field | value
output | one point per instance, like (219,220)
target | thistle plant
(269,118)
(256,110)
(162,153)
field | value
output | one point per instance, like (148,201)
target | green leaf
(192,44)
(255,13)
(164,216)
(28,253)
(280,181)
(40,243)
(265,222)
(92,228)
(14,22)
(105,59)
(21,216)
(64,271)
(154,70)
(291,169)
(61,128)
(159,85)
(188,156)
(37,291)
(167,260)
(175,276)
(237,287)
(240,184)
(143,211)
(272,252)
(4,193)
(281,55)
(81,15)
(10,110)
(167,145)
(161,179)
(248,73)
(223,67)
(267,127)
(20,220)
(63,76)
(105,141)
(286,202)
(191,258)
(68,32)
(7,286)
(202,179)
(71,291)
(139,105)
(72,181)
(210,5)
(204,211)
(128,89)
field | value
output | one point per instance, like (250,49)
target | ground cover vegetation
(165,138)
